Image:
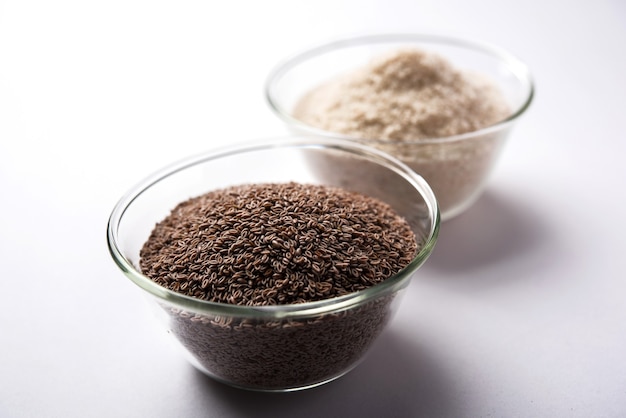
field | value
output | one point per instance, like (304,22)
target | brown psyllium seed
(276,244)
(285,243)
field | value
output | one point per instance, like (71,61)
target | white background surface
(520,312)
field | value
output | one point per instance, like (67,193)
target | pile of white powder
(410,95)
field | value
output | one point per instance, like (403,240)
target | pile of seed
(272,244)
(275,244)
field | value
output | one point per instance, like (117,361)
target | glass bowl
(279,347)
(456,167)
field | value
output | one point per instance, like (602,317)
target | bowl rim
(300,310)
(515,65)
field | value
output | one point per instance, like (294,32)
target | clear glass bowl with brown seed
(276,346)
(442,105)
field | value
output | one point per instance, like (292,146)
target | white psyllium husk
(406,95)
(403,100)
